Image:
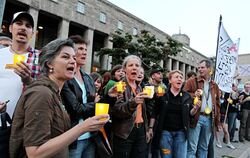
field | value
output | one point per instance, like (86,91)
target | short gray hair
(50,51)
(127,58)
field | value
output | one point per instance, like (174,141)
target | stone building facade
(94,20)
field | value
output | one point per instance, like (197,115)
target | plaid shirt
(32,61)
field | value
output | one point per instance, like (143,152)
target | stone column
(34,12)
(187,69)
(2,8)
(110,60)
(63,29)
(161,63)
(183,69)
(175,65)
(169,64)
(106,63)
(89,38)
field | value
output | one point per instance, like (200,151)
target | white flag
(226,61)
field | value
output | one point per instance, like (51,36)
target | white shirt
(206,97)
(84,100)
(10,83)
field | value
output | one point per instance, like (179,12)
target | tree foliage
(145,45)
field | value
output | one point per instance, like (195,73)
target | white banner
(226,61)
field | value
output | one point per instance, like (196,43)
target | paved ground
(242,150)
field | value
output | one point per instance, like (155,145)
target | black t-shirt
(246,105)
(173,120)
(231,107)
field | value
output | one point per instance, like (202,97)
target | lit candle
(230,101)
(101,108)
(18,58)
(147,90)
(120,86)
(160,90)
(196,99)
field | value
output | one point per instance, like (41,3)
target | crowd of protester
(47,105)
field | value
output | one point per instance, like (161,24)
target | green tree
(145,45)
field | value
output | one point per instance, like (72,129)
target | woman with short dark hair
(41,125)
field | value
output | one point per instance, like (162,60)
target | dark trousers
(210,153)
(243,123)
(153,149)
(134,146)
(4,142)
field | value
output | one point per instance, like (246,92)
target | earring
(51,69)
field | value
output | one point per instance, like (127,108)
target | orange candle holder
(17,58)
(101,108)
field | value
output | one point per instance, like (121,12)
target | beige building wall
(66,10)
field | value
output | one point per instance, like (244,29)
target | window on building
(103,17)
(120,25)
(80,7)
(56,1)
(135,31)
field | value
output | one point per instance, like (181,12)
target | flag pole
(218,38)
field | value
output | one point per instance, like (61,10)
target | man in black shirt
(245,107)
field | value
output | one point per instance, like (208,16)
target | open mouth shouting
(179,83)
(134,74)
(71,69)
(83,57)
(22,34)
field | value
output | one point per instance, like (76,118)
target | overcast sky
(197,18)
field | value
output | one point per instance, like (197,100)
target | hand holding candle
(230,101)
(197,103)
(198,93)
(120,86)
(18,58)
(196,99)
(101,108)
(149,90)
